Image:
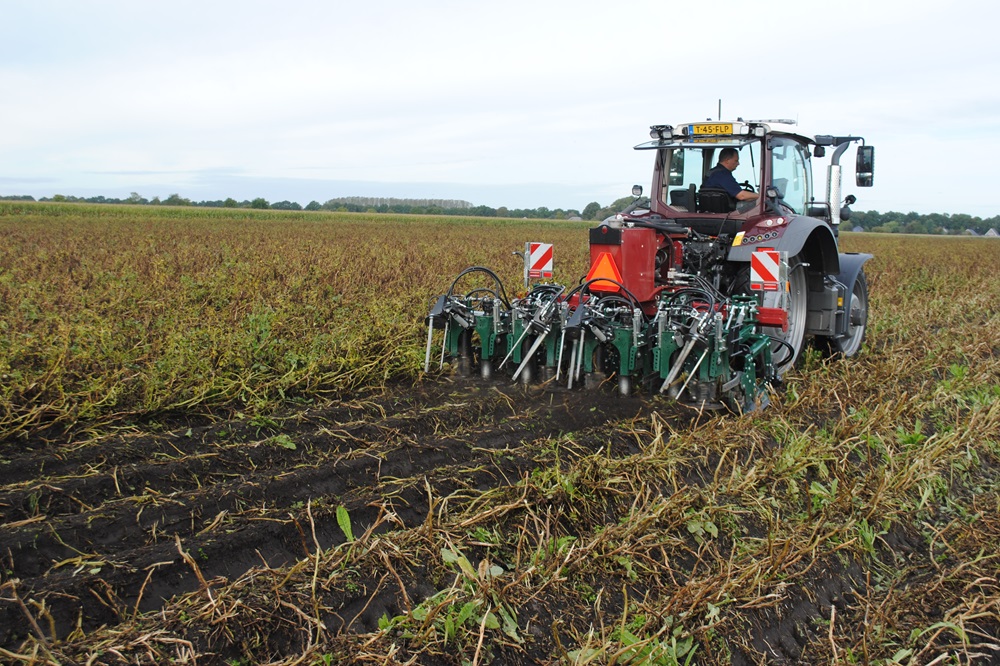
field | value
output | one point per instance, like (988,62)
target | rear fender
(811,239)
(850,267)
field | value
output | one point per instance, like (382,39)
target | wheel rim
(857,320)
(797,310)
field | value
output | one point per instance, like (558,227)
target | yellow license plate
(712,128)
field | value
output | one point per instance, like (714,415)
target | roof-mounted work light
(660,132)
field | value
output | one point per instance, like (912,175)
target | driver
(721,176)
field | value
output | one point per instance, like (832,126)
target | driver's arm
(744,195)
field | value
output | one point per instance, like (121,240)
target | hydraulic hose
(482,269)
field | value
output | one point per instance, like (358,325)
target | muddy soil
(90,531)
(95,533)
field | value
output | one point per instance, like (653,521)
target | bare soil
(94,534)
(89,530)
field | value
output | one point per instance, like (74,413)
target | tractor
(699,292)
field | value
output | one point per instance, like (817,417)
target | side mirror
(819,151)
(637,191)
(865,166)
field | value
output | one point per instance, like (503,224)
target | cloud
(130,95)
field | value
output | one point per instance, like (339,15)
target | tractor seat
(681,199)
(711,200)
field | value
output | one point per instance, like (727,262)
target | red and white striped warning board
(539,260)
(765,270)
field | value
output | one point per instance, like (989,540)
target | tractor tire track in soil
(93,532)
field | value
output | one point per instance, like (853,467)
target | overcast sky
(521,103)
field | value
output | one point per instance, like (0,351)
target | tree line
(888,222)
(340,204)
(915,223)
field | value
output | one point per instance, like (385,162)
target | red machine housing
(633,251)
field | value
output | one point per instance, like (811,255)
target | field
(218,446)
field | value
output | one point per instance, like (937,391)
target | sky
(522,103)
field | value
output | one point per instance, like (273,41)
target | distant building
(969,232)
(858,228)
(992,233)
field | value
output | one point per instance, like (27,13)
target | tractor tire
(787,345)
(849,344)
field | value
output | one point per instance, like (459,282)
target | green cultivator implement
(706,294)
(695,346)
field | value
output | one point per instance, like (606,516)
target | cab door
(791,173)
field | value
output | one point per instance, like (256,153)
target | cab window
(790,173)
(749,168)
(689,165)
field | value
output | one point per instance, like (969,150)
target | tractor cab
(773,164)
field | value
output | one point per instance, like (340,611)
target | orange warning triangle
(604,267)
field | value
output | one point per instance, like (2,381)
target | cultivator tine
(562,344)
(572,364)
(579,358)
(694,371)
(444,345)
(516,345)
(430,339)
(531,352)
(678,365)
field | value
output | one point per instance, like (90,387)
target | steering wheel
(747,187)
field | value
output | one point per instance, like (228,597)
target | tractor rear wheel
(794,337)
(787,344)
(849,344)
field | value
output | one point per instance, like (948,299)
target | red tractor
(706,290)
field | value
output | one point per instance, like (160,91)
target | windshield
(689,165)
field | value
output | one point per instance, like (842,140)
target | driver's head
(729,158)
